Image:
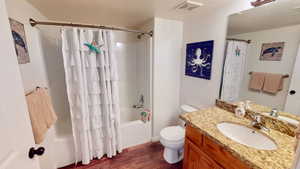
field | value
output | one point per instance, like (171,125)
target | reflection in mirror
(262,58)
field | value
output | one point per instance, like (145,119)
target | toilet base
(172,155)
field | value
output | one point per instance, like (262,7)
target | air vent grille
(188,5)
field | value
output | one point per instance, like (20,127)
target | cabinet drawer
(221,155)
(194,135)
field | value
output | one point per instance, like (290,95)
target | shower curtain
(233,71)
(92,87)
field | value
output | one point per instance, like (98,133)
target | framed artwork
(199,59)
(19,37)
(272,51)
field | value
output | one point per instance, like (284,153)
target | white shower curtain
(92,86)
(234,65)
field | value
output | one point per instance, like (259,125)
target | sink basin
(246,136)
(287,119)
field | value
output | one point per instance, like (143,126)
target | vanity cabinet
(197,159)
(201,152)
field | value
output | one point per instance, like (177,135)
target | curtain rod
(34,23)
(241,40)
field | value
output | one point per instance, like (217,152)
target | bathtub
(133,133)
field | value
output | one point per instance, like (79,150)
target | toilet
(172,138)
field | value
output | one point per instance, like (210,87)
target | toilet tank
(186,109)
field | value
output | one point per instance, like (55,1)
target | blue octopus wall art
(199,59)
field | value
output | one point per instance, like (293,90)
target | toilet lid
(187,108)
(173,133)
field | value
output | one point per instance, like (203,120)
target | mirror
(262,58)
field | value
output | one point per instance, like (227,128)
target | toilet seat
(173,134)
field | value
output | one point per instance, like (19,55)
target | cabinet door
(221,155)
(194,158)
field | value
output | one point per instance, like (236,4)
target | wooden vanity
(206,147)
(200,152)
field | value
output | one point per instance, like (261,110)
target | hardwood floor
(146,156)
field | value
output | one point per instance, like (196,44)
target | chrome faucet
(140,103)
(274,112)
(257,123)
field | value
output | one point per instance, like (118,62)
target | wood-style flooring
(146,156)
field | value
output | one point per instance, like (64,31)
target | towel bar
(284,76)
(29,93)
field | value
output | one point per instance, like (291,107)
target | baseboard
(155,138)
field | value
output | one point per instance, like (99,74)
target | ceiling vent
(188,5)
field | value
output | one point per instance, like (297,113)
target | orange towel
(257,81)
(273,83)
(41,113)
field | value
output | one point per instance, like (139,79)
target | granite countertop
(263,109)
(206,121)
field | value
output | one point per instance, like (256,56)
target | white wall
(202,27)
(291,36)
(166,72)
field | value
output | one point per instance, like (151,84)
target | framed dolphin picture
(272,51)
(19,37)
(199,59)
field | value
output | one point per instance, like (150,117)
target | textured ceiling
(275,15)
(125,13)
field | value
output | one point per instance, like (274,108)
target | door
(15,128)
(293,99)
